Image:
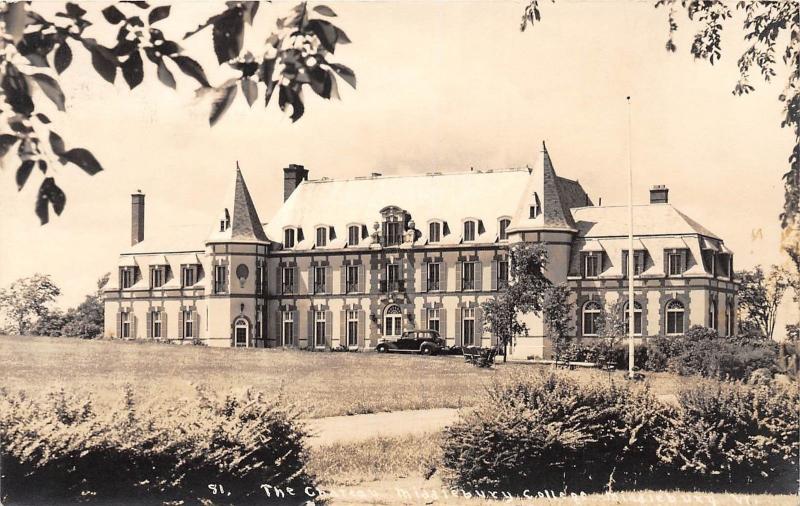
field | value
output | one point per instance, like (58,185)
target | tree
(51,323)
(557,315)
(87,320)
(295,56)
(772,31)
(525,293)
(759,296)
(26,300)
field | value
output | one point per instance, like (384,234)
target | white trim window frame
(321,236)
(188,324)
(434,320)
(435,228)
(675,263)
(675,318)
(353,235)
(125,324)
(638,323)
(288,280)
(287,328)
(156,324)
(434,276)
(591,265)
(351,278)
(352,328)
(468,274)
(502,228)
(590,316)
(469,230)
(319,279)
(158,276)
(320,322)
(289,237)
(128,275)
(468,331)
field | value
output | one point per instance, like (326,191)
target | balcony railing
(433,284)
(467,284)
(392,286)
(319,287)
(287,288)
(351,287)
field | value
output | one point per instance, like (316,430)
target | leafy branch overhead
(35,52)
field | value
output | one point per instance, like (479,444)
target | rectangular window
(319,329)
(352,279)
(468,276)
(469,231)
(128,275)
(434,320)
(674,322)
(322,236)
(352,328)
(157,276)
(393,233)
(468,326)
(435,232)
(675,264)
(156,330)
(188,323)
(220,279)
(319,280)
(502,274)
(188,275)
(504,223)
(353,235)
(433,276)
(591,266)
(287,328)
(259,279)
(288,238)
(287,280)
(637,321)
(125,324)
(638,263)
(392,277)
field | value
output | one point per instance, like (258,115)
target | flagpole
(631,311)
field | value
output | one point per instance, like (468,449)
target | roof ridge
(416,174)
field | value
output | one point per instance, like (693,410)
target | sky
(442,86)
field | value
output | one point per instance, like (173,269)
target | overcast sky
(441,86)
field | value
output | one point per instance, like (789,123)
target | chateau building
(345,263)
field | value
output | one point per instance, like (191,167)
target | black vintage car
(425,342)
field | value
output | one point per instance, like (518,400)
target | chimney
(137,217)
(293,175)
(659,194)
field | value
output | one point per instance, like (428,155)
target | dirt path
(340,429)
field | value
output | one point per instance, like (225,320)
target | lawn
(321,384)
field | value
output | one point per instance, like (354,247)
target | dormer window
(127,277)
(322,237)
(225,223)
(470,226)
(435,231)
(394,225)
(503,234)
(535,207)
(353,235)
(289,238)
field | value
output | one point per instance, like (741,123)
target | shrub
(660,350)
(548,432)
(733,437)
(59,449)
(722,359)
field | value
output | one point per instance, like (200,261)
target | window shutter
(478,276)
(423,269)
(684,261)
(180,324)
(296,327)
(343,328)
(494,276)
(119,323)
(164,333)
(133,327)
(666,262)
(149,324)
(277,328)
(362,328)
(328,328)
(329,279)
(343,278)
(443,322)
(278,280)
(459,276)
(443,276)
(459,317)
(196,328)
(601,263)
(311,280)
(361,280)
(478,326)
(423,318)
(310,337)
(625,263)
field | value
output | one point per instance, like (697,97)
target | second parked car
(425,342)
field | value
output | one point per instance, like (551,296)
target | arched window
(675,317)
(288,238)
(353,235)
(504,223)
(712,315)
(637,318)
(730,319)
(434,231)
(591,318)
(393,321)
(469,230)
(322,236)
(241,332)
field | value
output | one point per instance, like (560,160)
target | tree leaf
(227,35)
(325,11)
(83,159)
(23,172)
(44,119)
(158,14)
(132,69)
(6,142)
(250,90)
(268,93)
(141,5)
(222,103)
(17,92)
(49,194)
(103,60)
(63,57)
(192,69)
(51,88)
(113,15)
(164,75)
(56,143)
(345,73)
(43,166)
(325,32)
(288,96)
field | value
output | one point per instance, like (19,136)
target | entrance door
(241,331)
(393,322)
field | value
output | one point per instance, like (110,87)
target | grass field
(321,384)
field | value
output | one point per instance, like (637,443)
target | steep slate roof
(648,219)
(244,222)
(554,198)
(450,197)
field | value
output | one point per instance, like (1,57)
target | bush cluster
(60,449)
(547,432)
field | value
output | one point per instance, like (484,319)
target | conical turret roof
(238,219)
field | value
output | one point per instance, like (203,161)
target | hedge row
(547,432)
(59,449)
